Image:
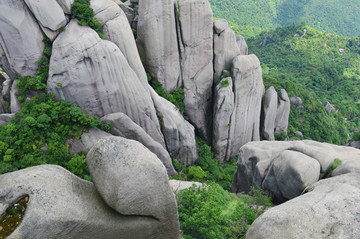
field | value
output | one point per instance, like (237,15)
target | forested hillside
(318,67)
(334,16)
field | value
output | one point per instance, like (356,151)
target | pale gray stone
(283,113)
(14,102)
(63,206)
(123,126)
(86,141)
(248,90)
(289,174)
(329,107)
(20,37)
(48,13)
(179,134)
(295,100)
(223,109)
(225,49)
(94,74)
(242,45)
(6,118)
(196,29)
(177,186)
(65,5)
(133,181)
(157,36)
(330,209)
(269,109)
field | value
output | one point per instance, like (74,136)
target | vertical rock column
(283,112)
(196,42)
(269,112)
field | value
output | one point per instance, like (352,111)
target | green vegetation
(337,162)
(251,17)
(207,168)
(211,212)
(225,83)
(82,11)
(177,97)
(313,68)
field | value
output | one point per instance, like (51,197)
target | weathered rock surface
(269,110)
(48,13)
(242,45)
(179,134)
(14,102)
(225,48)
(248,90)
(157,38)
(63,206)
(295,100)
(283,112)
(223,108)
(177,186)
(257,159)
(133,181)
(329,107)
(329,209)
(125,127)
(21,37)
(65,5)
(94,74)
(6,118)
(196,29)
(86,141)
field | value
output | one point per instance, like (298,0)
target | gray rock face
(223,108)
(14,102)
(242,45)
(269,109)
(86,141)
(329,107)
(295,100)
(131,183)
(179,134)
(48,13)
(196,29)
(94,74)
(65,5)
(21,37)
(248,90)
(225,48)
(289,174)
(157,37)
(330,209)
(283,112)
(6,118)
(125,127)
(177,186)
(63,206)
(117,29)
(258,159)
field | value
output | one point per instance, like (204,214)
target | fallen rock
(257,159)
(21,37)
(269,109)
(123,126)
(94,74)
(328,209)
(177,186)
(223,108)
(6,118)
(134,182)
(295,100)
(157,38)
(282,113)
(63,206)
(329,107)
(14,102)
(86,141)
(178,133)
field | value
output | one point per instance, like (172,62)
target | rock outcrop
(177,186)
(6,118)
(285,169)
(130,179)
(123,126)
(242,45)
(328,209)
(269,110)
(62,205)
(283,112)
(329,107)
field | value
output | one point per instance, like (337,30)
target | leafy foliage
(251,17)
(211,212)
(38,134)
(82,11)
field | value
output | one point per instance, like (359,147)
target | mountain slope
(333,16)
